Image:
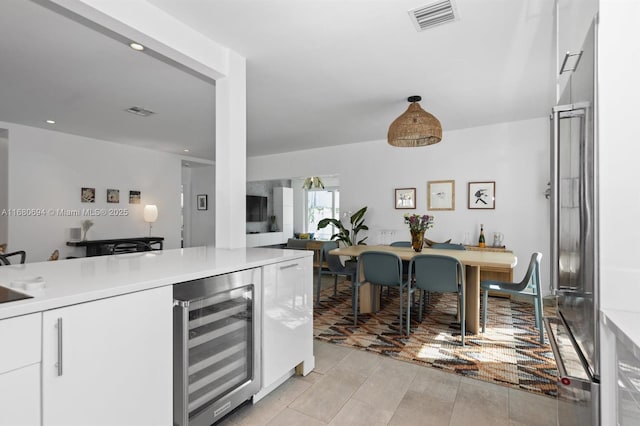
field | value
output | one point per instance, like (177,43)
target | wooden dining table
(473,261)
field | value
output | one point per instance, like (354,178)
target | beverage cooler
(216,345)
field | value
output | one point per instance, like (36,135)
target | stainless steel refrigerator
(573,333)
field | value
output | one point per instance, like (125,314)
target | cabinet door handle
(293,265)
(59,363)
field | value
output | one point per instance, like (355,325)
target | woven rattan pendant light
(416,127)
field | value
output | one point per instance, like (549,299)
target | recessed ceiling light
(186,150)
(136,46)
(51,121)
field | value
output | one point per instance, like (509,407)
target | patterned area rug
(509,353)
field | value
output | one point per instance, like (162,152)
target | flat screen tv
(256,208)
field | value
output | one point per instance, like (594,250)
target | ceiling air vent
(139,111)
(433,14)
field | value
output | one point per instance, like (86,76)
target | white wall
(619,88)
(4,186)
(202,222)
(171,38)
(47,171)
(515,155)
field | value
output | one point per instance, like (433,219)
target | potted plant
(346,236)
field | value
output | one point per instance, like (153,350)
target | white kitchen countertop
(72,281)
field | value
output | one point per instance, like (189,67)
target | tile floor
(353,387)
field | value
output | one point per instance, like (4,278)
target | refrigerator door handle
(558,113)
(555,143)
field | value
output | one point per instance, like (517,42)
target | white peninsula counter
(95,345)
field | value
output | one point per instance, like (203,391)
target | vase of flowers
(418,224)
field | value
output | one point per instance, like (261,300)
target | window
(322,203)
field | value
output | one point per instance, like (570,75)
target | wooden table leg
(365,302)
(368,297)
(472,296)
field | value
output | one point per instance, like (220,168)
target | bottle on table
(481,242)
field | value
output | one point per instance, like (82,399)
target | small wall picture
(441,195)
(482,195)
(202,202)
(405,198)
(113,195)
(134,197)
(88,195)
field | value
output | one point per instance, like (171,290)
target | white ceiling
(52,67)
(319,72)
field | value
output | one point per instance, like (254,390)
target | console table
(102,247)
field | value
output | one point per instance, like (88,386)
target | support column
(231,155)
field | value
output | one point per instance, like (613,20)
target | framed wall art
(113,195)
(202,202)
(88,195)
(405,198)
(441,195)
(134,197)
(482,195)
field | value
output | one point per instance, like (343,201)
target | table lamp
(150,215)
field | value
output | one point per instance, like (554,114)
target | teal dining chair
(438,274)
(448,246)
(380,268)
(529,286)
(405,263)
(334,267)
(401,244)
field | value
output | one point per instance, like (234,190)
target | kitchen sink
(9,295)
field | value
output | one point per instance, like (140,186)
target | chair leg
(335,284)
(463,329)
(400,320)
(538,307)
(485,300)
(355,304)
(422,294)
(409,294)
(318,288)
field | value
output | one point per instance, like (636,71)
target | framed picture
(202,202)
(441,195)
(88,195)
(482,195)
(113,195)
(134,197)
(405,198)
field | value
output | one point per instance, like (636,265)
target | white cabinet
(265,239)
(20,400)
(20,370)
(287,325)
(283,210)
(574,18)
(109,361)
(620,375)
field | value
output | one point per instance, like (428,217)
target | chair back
(4,257)
(532,277)
(433,272)
(333,261)
(448,246)
(381,267)
(401,244)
